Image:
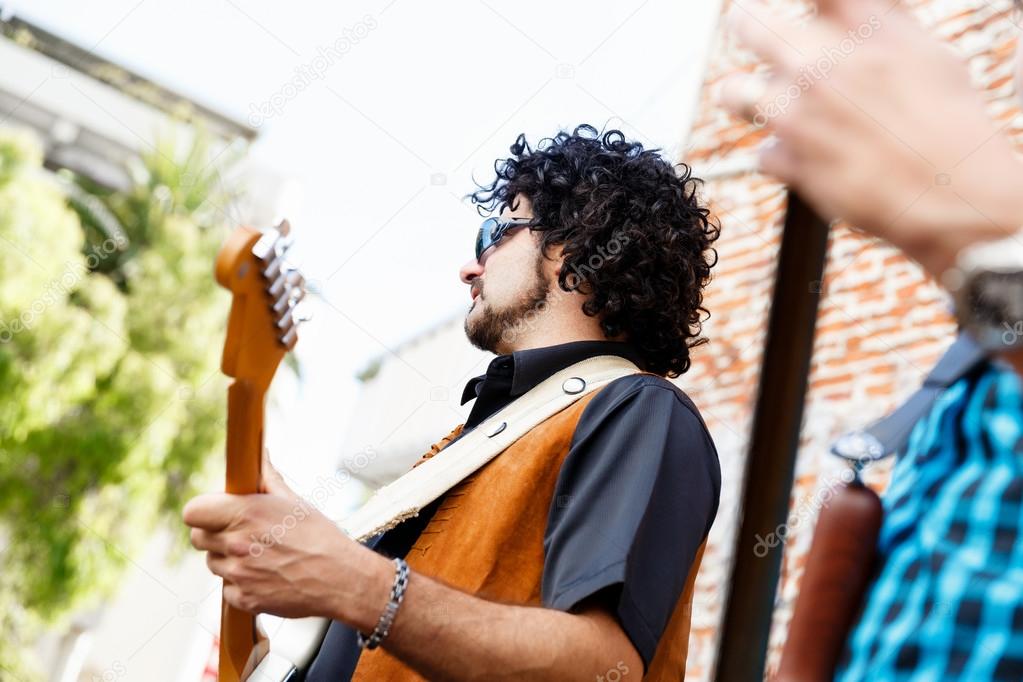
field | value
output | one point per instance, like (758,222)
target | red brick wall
(881,323)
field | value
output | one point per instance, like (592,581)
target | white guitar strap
(295,642)
(408,495)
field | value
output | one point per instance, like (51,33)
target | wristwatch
(986,284)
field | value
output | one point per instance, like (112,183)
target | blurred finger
(764,32)
(790,44)
(743,95)
(778,160)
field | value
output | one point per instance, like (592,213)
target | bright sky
(399,103)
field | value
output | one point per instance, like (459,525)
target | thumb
(271,481)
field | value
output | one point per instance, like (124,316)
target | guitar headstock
(265,292)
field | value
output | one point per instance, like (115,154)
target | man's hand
(876,122)
(279,555)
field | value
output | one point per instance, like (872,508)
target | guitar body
(838,569)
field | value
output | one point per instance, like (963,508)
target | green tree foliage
(112,401)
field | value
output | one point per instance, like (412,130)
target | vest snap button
(573,385)
(497,429)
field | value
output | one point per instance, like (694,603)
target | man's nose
(470,271)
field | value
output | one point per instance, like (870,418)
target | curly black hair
(635,238)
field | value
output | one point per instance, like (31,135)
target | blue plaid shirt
(947,601)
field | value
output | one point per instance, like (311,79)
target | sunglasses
(494,230)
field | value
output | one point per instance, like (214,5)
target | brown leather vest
(486,538)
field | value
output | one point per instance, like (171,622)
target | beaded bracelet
(387,617)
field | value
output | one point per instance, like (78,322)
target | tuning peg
(289,338)
(283,280)
(289,279)
(285,320)
(290,297)
(293,293)
(263,249)
(302,314)
(279,261)
(283,244)
(272,244)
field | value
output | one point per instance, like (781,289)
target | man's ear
(575,281)
(555,264)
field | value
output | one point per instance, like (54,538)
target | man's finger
(217,563)
(763,32)
(744,96)
(212,511)
(207,541)
(271,480)
(233,595)
(778,160)
(790,44)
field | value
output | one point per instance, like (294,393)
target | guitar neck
(238,634)
(244,437)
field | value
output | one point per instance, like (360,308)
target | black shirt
(635,497)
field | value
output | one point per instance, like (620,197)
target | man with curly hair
(572,553)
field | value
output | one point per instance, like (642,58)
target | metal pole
(773,444)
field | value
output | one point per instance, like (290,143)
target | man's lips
(474,292)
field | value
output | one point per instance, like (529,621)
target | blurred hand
(277,553)
(876,122)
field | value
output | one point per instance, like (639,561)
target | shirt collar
(528,368)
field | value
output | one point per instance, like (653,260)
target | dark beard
(495,326)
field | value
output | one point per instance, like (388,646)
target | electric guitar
(261,329)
